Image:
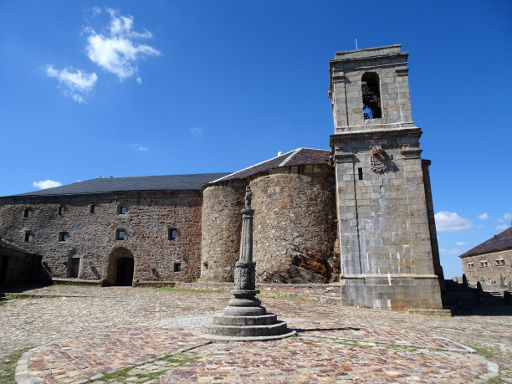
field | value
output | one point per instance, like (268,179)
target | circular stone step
(244,311)
(228,339)
(247,330)
(221,319)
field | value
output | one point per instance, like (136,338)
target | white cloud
(450,251)
(506,221)
(117,51)
(451,222)
(196,131)
(461,243)
(74,83)
(483,216)
(506,218)
(140,147)
(43,184)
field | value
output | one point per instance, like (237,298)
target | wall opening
(63,236)
(74,267)
(121,266)
(28,236)
(370,85)
(120,234)
(4,266)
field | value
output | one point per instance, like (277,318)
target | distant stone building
(490,263)
(360,214)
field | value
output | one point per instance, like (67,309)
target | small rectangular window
(63,236)
(122,210)
(471,266)
(28,212)
(93,208)
(28,236)
(61,210)
(74,267)
(484,264)
(177,267)
(360,173)
(173,232)
(500,262)
(120,234)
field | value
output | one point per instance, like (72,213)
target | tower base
(391,292)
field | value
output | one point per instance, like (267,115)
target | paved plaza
(147,335)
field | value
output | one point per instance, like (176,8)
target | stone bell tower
(385,218)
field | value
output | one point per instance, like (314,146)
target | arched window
(370,85)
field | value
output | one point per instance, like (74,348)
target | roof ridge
(252,166)
(290,156)
(316,149)
(131,177)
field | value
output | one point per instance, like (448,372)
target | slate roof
(125,184)
(500,242)
(299,156)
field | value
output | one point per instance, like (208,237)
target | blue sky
(125,88)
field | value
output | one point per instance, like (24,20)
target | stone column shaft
(246,238)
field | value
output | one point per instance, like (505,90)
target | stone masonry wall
(347,92)
(438,269)
(92,236)
(221,224)
(497,273)
(384,225)
(295,225)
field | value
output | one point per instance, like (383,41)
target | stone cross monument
(245,319)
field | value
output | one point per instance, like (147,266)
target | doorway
(124,273)
(121,266)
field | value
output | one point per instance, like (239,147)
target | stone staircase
(462,295)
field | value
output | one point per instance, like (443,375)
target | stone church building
(359,215)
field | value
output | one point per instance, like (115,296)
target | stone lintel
(402,71)
(357,128)
(344,157)
(391,275)
(411,153)
(374,134)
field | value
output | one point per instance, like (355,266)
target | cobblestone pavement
(146,335)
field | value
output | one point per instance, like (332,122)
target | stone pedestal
(244,318)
